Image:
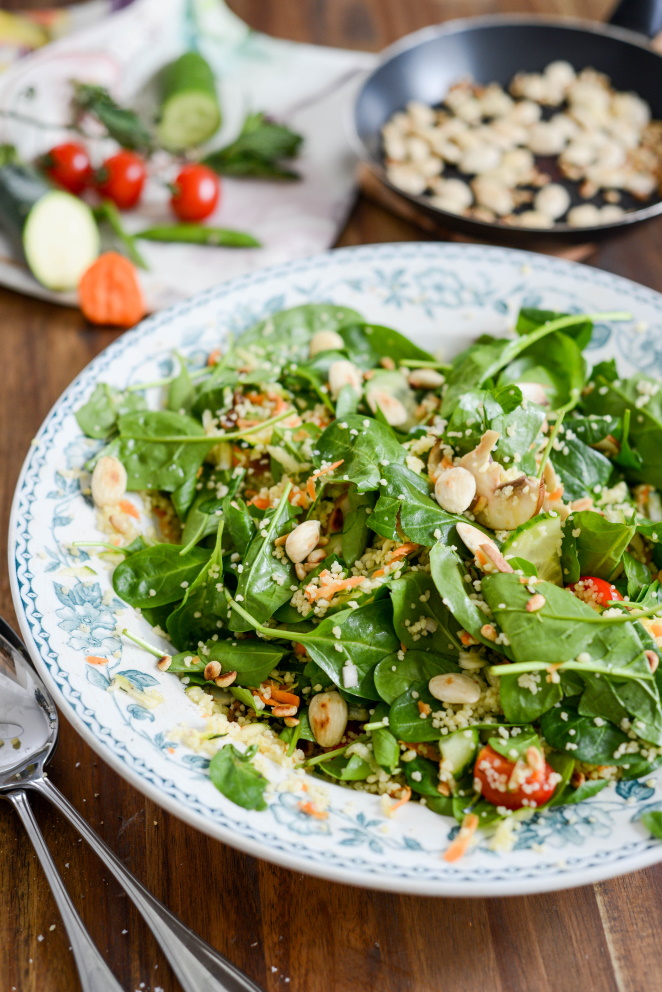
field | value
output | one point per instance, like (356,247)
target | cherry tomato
(68,165)
(196,192)
(594,591)
(532,783)
(121,179)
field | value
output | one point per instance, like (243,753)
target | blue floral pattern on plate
(443,296)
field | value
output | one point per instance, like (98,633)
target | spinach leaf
(520,704)
(252,660)
(582,470)
(405,720)
(596,745)
(347,769)
(284,337)
(98,416)
(570,795)
(530,319)
(593,545)
(366,636)
(514,747)
(394,675)
(556,363)
(264,582)
(637,574)
(234,774)
(364,445)
(181,389)
(420,618)
(198,617)
(367,343)
(355,530)
(154,576)
(421,518)
(385,748)
(642,396)
(480,410)
(240,524)
(201,519)
(155,464)
(653,822)
(450,575)
(422,776)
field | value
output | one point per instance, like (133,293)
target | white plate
(442,295)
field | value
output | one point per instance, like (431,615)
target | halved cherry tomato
(121,179)
(527,782)
(594,591)
(196,192)
(68,166)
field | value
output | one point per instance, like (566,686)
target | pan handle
(643,16)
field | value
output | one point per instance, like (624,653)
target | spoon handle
(94,973)
(198,966)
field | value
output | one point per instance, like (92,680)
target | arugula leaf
(159,569)
(264,582)
(98,416)
(258,150)
(121,124)
(500,410)
(198,617)
(415,598)
(653,822)
(364,445)
(593,545)
(252,660)
(394,675)
(234,774)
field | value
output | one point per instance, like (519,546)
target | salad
(424,580)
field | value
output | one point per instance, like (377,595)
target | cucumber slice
(459,749)
(60,240)
(539,541)
(55,230)
(190,111)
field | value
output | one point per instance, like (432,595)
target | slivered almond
(164,663)
(109,481)
(291,721)
(284,710)
(488,631)
(653,660)
(536,602)
(496,558)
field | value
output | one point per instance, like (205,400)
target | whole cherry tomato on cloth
(68,166)
(121,179)
(529,781)
(195,193)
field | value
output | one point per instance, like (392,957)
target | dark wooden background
(288,931)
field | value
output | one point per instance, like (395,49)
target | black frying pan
(423,66)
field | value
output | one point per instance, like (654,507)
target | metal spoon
(28,730)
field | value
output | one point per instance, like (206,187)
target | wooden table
(285,930)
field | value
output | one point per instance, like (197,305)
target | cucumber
(54,230)
(459,749)
(539,541)
(190,112)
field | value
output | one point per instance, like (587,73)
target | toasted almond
(328,715)
(120,523)
(284,710)
(319,554)
(425,379)
(223,681)
(301,571)
(164,663)
(455,489)
(496,558)
(444,789)
(488,631)
(291,721)
(325,341)
(454,688)
(653,660)
(536,602)
(280,541)
(302,540)
(109,481)
(212,670)
(344,373)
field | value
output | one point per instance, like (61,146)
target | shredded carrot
(557,494)
(126,506)
(424,708)
(310,484)
(467,639)
(93,660)
(171,750)
(403,647)
(300,499)
(310,488)
(261,502)
(656,629)
(310,809)
(459,846)
(403,550)
(299,648)
(401,802)
(329,589)
(281,696)
(213,356)
(379,573)
(257,399)
(109,292)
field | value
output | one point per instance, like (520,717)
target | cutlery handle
(198,966)
(94,973)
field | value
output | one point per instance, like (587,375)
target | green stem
(141,642)
(652,611)
(108,211)
(521,667)
(207,438)
(320,758)
(99,544)
(548,447)
(424,363)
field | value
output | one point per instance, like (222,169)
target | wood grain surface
(288,931)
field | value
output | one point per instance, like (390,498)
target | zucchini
(459,749)
(54,230)
(539,542)
(190,112)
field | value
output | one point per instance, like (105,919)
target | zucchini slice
(190,112)
(539,541)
